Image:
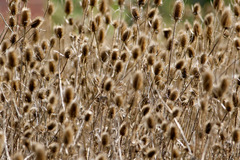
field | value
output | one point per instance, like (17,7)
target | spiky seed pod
(101,156)
(135,13)
(68,7)
(40,152)
(157,3)
(12,22)
(229,106)
(12,59)
(173,95)
(236,10)
(50,9)
(115,24)
(178,10)
(108,85)
(137,81)
(196,9)
(119,100)
(37,22)
(52,67)
(158,68)
(150,60)
(209,18)
(207,79)
(151,153)
(54,148)
(88,117)
(218,4)
(104,56)
(121,2)
(124,57)
(118,67)
(141,2)
(235,99)
(73,110)
(84,4)
(208,128)
(51,125)
(145,110)
(68,53)
(195,73)
(44,45)
(175,112)
(17,156)
(13,8)
(101,35)
(169,44)
(126,35)
(179,64)
(123,129)
(187,25)
(156,24)
(5,45)
(237,43)
(173,133)
(142,42)
(32,84)
(62,116)
(136,52)
(13,38)
(197,28)
(183,39)
(59,32)
(103,7)
(226,19)
(2,61)
(152,49)
(150,122)
(93,3)
(175,153)
(105,139)
(68,95)
(236,136)
(209,33)
(25,17)
(223,86)
(98,20)
(107,18)
(68,136)
(85,50)
(35,36)
(94,26)
(152,13)
(39,53)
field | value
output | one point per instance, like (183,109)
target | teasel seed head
(229,106)
(68,136)
(197,28)
(237,43)
(84,4)
(54,149)
(151,153)
(37,22)
(121,2)
(88,117)
(223,86)
(150,60)
(208,127)
(178,10)
(150,121)
(59,32)
(103,6)
(35,36)
(137,80)
(173,133)
(218,4)
(105,139)
(209,18)
(68,95)
(135,13)
(157,3)
(12,59)
(32,85)
(179,64)
(158,67)
(145,110)
(236,136)
(68,53)
(13,8)
(5,45)
(152,13)
(101,35)
(142,42)
(93,3)
(126,35)
(123,129)
(136,52)
(175,153)
(207,79)
(196,9)
(25,17)
(12,22)
(167,32)
(226,19)
(175,112)
(73,110)
(118,67)
(68,7)
(203,105)
(13,38)
(62,116)
(50,9)
(104,56)
(51,125)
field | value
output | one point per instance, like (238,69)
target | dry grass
(78,91)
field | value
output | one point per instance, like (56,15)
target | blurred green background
(165,9)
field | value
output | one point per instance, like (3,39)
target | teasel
(68,7)
(226,19)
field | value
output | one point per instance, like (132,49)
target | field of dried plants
(99,87)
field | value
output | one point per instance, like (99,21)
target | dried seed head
(229,106)
(50,9)
(235,99)
(68,53)
(173,95)
(236,136)
(237,43)
(209,18)
(51,125)
(35,36)
(93,3)
(183,39)
(68,95)
(73,110)
(68,7)
(136,52)
(152,13)
(103,6)
(178,10)
(203,58)
(175,153)
(187,25)
(107,18)
(207,79)
(150,122)
(196,9)
(118,67)
(126,35)
(150,60)
(169,44)
(156,24)
(101,35)
(175,112)
(142,42)
(137,80)
(13,38)
(88,117)
(54,148)
(84,4)
(179,64)
(218,4)
(37,22)
(94,26)
(59,32)
(52,67)
(40,152)
(61,117)
(108,85)
(121,2)
(135,13)
(158,68)
(104,56)
(105,139)
(12,22)
(123,129)
(173,133)
(151,153)
(12,59)
(25,17)
(145,110)
(157,3)
(32,85)
(5,45)
(208,128)
(223,86)
(13,8)
(39,53)
(226,19)
(197,28)
(68,136)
